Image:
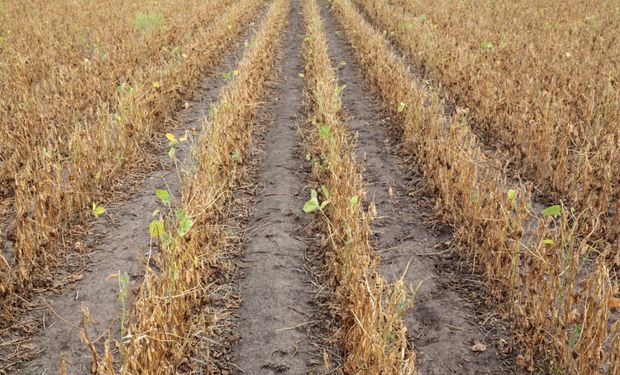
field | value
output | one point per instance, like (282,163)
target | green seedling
(313,204)
(574,338)
(554,210)
(353,201)
(185,223)
(485,44)
(172,139)
(156,228)
(512,195)
(97,210)
(163,196)
(325,132)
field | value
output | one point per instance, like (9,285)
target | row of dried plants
(171,315)
(369,309)
(544,276)
(540,86)
(72,126)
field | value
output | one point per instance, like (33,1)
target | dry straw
(170,308)
(558,295)
(75,123)
(541,84)
(373,336)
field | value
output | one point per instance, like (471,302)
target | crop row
(168,310)
(370,310)
(559,296)
(120,103)
(541,87)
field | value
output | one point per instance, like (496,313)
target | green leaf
(163,196)
(312,204)
(146,21)
(226,75)
(353,201)
(98,210)
(156,228)
(554,210)
(173,140)
(156,85)
(184,226)
(325,131)
(301,75)
(401,106)
(512,194)
(485,44)
(324,204)
(172,152)
(548,241)
(180,214)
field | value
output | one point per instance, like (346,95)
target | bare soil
(450,335)
(277,293)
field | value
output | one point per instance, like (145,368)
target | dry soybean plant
(527,260)
(161,334)
(121,83)
(539,80)
(373,336)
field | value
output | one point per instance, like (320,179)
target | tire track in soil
(276,313)
(442,325)
(119,241)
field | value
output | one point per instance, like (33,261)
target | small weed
(147,21)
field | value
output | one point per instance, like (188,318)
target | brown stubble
(372,334)
(501,235)
(545,93)
(163,328)
(109,114)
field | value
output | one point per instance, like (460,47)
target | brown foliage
(87,98)
(373,335)
(539,268)
(540,82)
(163,328)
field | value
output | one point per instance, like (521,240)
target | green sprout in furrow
(559,300)
(373,336)
(163,331)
